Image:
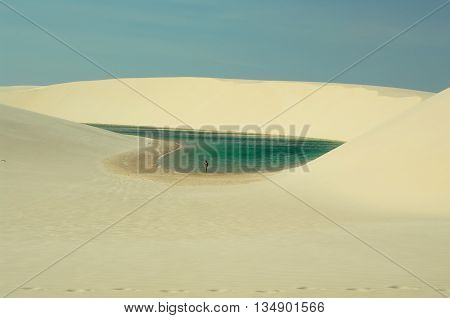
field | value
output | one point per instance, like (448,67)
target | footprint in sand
(403,287)
(120,289)
(393,287)
(79,290)
(32,288)
(359,289)
(218,290)
(170,291)
(274,291)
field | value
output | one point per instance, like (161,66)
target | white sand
(338,111)
(225,239)
(17,88)
(402,165)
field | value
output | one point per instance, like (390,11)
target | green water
(230,152)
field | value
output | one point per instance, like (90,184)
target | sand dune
(400,166)
(391,188)
(224,239)
(336,111)
(17,88)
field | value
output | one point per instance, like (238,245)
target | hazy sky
(254,39)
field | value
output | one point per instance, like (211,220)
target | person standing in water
(206,165)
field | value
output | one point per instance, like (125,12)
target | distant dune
(18,88)
(336,111)
(388,186)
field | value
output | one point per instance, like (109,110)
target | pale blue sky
(304,40)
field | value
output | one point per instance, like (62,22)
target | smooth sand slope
(397,176)
(401,166)
(336,111)
(223,239)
